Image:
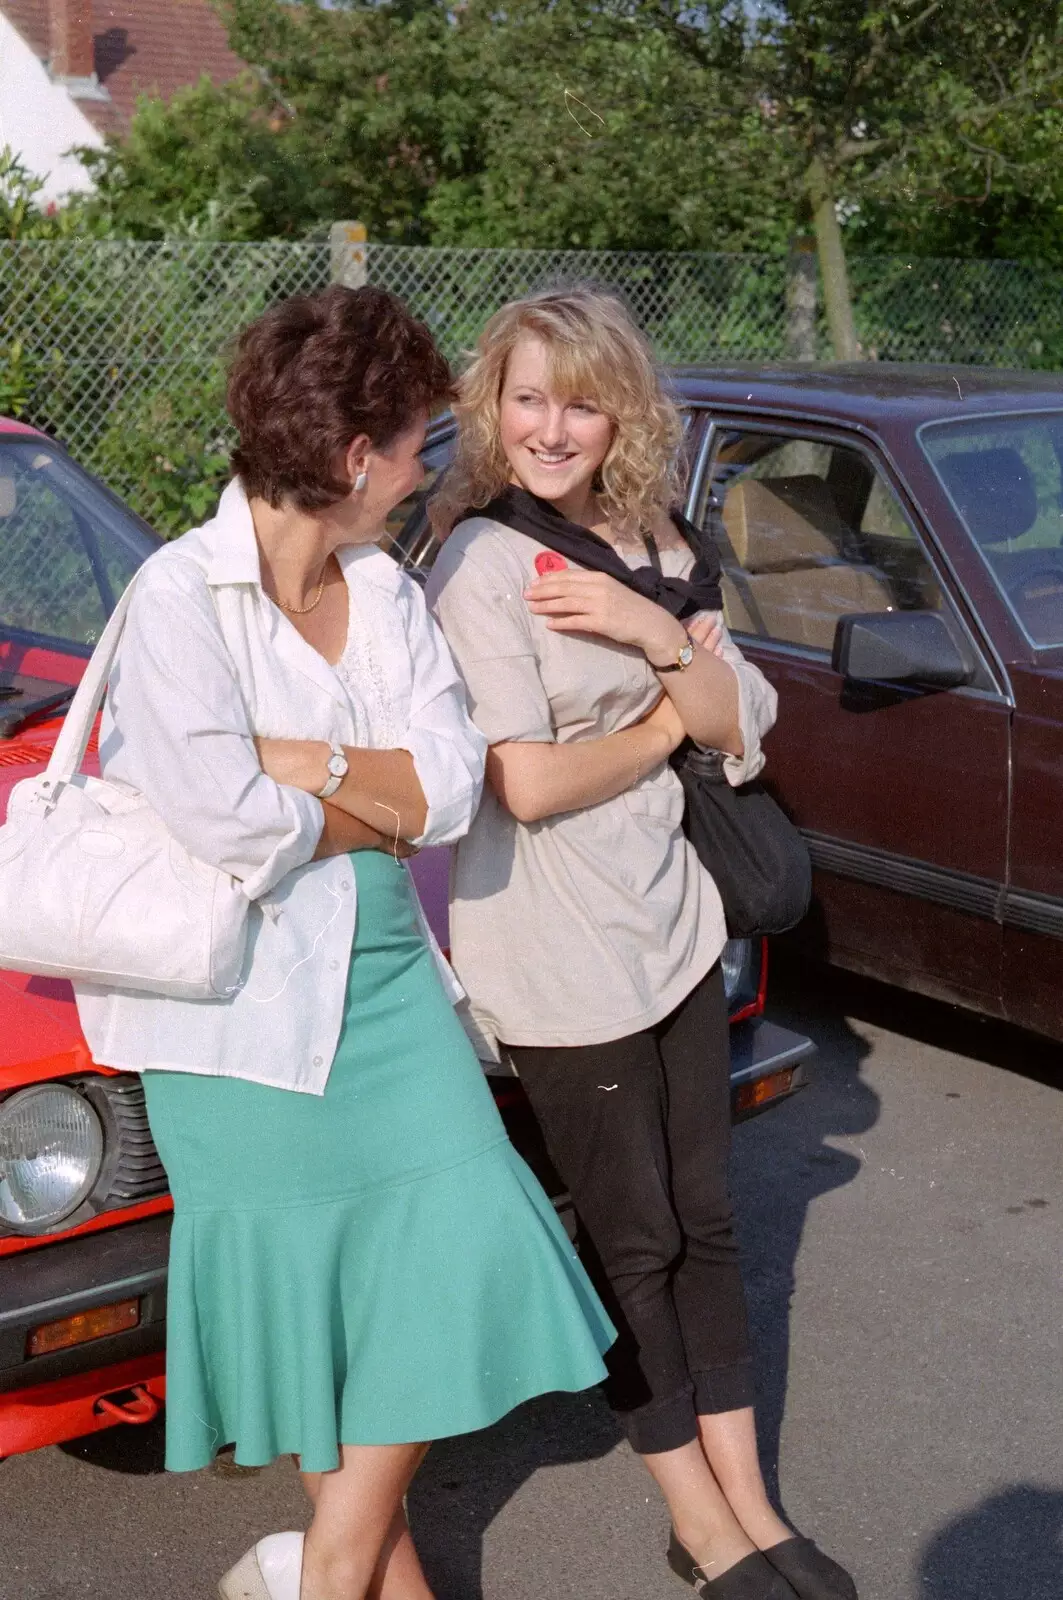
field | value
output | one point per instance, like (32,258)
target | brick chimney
(70,40)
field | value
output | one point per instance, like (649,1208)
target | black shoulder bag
(756,856)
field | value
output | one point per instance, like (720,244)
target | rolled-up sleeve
(176,728)
(758,705)
(478,600)
(448,749)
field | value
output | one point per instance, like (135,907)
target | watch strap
(333,781)
(682,661)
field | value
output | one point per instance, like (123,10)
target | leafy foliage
(929,125)
(216,161)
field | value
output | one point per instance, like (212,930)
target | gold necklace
(301,611)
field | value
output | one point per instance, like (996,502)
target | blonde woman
(583,926)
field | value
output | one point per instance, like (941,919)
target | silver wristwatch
(338,768)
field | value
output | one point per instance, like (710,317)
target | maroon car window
(810,531)
(66,550)
(1004,475)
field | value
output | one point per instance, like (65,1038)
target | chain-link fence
(119,348)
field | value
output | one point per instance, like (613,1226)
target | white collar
(235,555)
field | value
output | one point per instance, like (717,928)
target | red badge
(549,561)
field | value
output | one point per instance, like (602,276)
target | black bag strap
(681,597)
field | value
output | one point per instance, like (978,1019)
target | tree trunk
(837,297)
(801,294)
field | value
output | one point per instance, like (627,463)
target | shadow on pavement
(934,1022)
(138,1451)
(466,1482)
(1008,1548)
(783,1163)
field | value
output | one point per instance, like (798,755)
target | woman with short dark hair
(360,1262)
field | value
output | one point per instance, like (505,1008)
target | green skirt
(375,1265)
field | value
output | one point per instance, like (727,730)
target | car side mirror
(916,647)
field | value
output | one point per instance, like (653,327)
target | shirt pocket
(659,797)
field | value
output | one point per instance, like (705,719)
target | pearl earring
(360,482)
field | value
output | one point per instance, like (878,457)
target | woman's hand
(593,602)
(706,632)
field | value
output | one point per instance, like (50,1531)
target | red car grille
(30,755)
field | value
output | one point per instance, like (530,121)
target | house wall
(39,120)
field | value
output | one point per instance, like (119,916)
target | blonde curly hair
(595,353)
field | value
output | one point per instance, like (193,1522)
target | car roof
(9,425)
(869,392)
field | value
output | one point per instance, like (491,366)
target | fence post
(801,301)
(347,254)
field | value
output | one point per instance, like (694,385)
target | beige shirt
(592,924)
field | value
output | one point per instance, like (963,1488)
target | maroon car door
(902,793)
(1004,476)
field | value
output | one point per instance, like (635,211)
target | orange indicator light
(751,1095)
(97,1324)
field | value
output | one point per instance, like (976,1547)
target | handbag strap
(70,747)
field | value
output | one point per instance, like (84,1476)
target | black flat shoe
(810,1574)
(752,1578)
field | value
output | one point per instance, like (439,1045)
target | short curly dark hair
(314,372)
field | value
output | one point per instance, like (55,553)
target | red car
(84,1201)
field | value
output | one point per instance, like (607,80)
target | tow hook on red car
(135,1405)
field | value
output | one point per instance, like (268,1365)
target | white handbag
(93,886)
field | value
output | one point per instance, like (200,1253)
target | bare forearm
(706,698)
(381,788)
(535,781)
(343,833)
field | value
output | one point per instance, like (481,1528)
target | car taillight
(744,963)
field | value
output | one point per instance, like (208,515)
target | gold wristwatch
(682,660)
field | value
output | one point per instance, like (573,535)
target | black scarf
(680,597)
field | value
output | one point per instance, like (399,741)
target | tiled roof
(139,47)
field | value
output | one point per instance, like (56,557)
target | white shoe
(271,1570)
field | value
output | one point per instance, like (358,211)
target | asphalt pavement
(903,1229)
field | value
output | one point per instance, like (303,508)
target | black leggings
(640,1130)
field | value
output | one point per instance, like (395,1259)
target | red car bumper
(50,1413)
(83,1386)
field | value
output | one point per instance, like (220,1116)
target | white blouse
(206,663)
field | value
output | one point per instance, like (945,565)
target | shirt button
(319,1061)
(334,966)
(345,883)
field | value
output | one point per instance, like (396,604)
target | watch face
(686,655)
(337,765)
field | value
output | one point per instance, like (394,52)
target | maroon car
(892,545)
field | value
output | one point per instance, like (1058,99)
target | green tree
(378,110)
(594,137)
(871,101)
(215,161)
